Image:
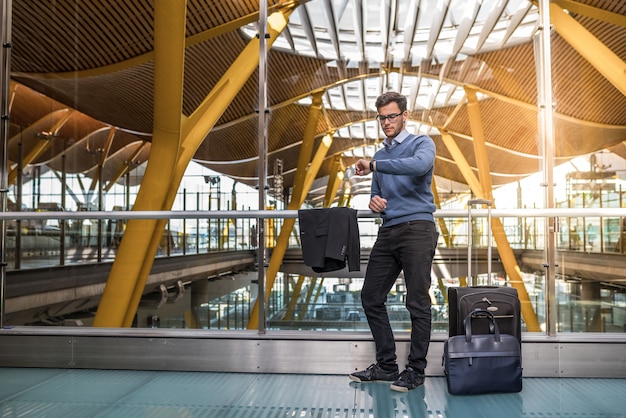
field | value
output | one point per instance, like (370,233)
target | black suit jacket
(329,237)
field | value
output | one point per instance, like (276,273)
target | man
(401,193)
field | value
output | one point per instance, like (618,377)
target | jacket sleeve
(313,234)
(343,237)
(354,243)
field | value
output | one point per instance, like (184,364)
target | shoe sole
(356,379)
(404,388)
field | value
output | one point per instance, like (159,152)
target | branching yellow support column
(446,236)
(295,295)
(345,198)
(497,229)
(331,191)
(335,177)
(207,114)
(283,238)
(142,238)
(104,153)
(297,197)
(309,295)
(306,150)
(126,282)
(333,185)
(442,223)
(126,167)
(461,162)
(466,171)
(319,291)
(610,65)
(45,141)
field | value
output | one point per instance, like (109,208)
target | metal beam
(442,222)
(592,12)
(126,167)
(306,149)
(104,153)
(586,44)
(461,162)
(45,142)
(497,229)
(545,129)
(309,295)
(304,180)
(130,269)
(480,147)
(335,177)
(295,295)
(196,127)
(316,163)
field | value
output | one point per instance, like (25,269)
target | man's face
(391,119)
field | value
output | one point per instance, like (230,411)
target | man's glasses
(391,118)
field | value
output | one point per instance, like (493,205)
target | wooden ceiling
(82,79)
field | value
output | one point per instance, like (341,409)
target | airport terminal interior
(156,156)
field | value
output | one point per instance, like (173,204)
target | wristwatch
(372,166)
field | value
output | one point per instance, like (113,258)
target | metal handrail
(236,214)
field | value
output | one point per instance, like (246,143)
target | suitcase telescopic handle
(479,202)
(481,313)
(471,203)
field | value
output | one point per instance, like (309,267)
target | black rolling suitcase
(483,353)
(502,302)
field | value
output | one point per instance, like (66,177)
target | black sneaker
(409,380)
(374,373)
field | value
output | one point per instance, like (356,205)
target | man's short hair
(391,96)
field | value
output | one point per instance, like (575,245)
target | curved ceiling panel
(94,61)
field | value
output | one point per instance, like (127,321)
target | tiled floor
(70,393)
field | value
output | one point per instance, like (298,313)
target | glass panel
(587,302)
(63,160)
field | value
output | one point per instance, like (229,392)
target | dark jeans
(410,247)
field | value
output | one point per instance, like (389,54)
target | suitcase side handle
(481,313)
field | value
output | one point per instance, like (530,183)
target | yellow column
(306,150)
(124,168)
(497,229)
(291,306)
(132,266)
(138,247)
(309,294)
(335,177)
(104,153)
(45,141)
(206,115)
(283,238)
(461,162)
(442,224)
(609,64)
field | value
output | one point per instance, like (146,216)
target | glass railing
(585,302)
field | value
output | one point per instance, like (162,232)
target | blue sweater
(403,176)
